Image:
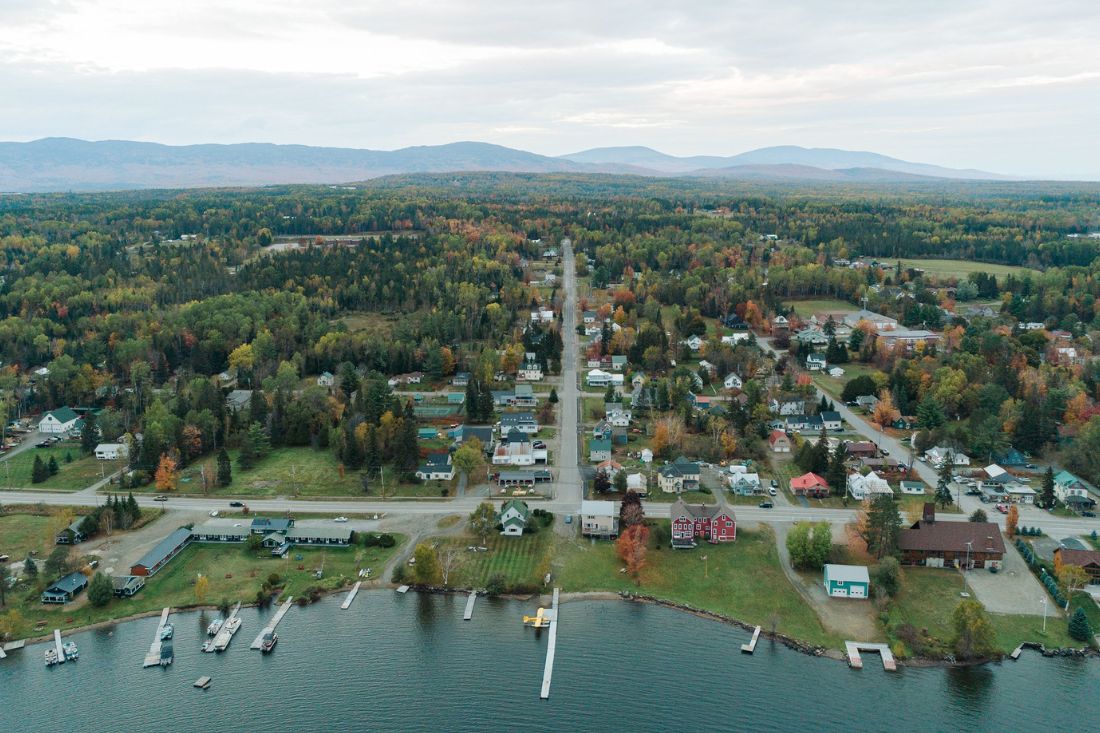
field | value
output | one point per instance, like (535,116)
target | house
(779,442)
(326,379)
(831,420)
(1087,559)
(867,402)
(220,530)
(914,488)
(522,421)
(847,581)
(618,362)
(1011,458)
(112,451)
(125,586)
(155,559)
(809,484)
(694,342)
(780,322)
(619,418)
(59,421)
(517,450)
(862,487)
(228,378)
(267,525)
(314,534)
(861,449)
(71,535)
(460,379)
(65,589)
(816,363)
(513,517)
(732,381)
(836,372)
(905,422)
(734,321)
(524,396)
(734,338)
(646,456)
(436,467)
(524,478)
(679,476)
(238,399)
(787,406)
(708,367)
(602,429)
(531,369)
(601,378)
(482,433)
(588,317)
(812,337)
(637,483)
(951,544)
(745,484)
(804,423)
(456,398)
(1072,491)
(879,321)
(599,449)
(701,521)
(938,454)
(599,519)
(427,433)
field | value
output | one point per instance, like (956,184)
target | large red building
(701,521)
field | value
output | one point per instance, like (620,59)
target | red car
(1002,508)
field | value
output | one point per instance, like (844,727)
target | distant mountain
(66,164)
(784,155)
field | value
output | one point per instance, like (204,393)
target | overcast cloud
(1001,85)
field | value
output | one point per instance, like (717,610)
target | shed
(847,581)
(164,551)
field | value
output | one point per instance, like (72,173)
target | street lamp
(1043,600)
(706,566)
(966,565)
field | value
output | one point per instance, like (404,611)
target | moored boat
(214,627)
(269,641)
(166,632)
(70,650)
(51,657)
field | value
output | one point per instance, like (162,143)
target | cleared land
(20,534)
(79,472)
(807,308)
(521,562)
(958,268)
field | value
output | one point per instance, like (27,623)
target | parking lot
(1013,590)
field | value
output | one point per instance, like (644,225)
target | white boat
(51,657)
(214,627)
(166,632)
(71,652)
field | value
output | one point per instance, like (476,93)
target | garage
(847,581)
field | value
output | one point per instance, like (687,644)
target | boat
(214,627)
(51,657)
(166,655)
(70,650)
(269,641)
(166,632)
(221,641)
(208,646)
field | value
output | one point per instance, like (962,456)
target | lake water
(410,663)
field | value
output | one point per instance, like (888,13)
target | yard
(742,579)
(75,470)
(522,562)
(957,268)
(807,308)
(234,574)
(21,534)
(834,386)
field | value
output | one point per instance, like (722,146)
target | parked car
(771,490)
(42,444)
(568,518)
(1002,508)
(884,451)
(4,558)
(1088,513)
(162,497)
(1031,466)
(236,504)
(766,504)
(214,513)
(339,519)
(775,484)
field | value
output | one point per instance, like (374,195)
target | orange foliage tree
(166,476)
(631,548)
(1011,521)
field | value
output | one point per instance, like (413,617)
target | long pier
(152,659)
(751,646)
(469,614)
(225,635)
(351,596)
(855,661)
(57,645)
(274,622)
(548,668)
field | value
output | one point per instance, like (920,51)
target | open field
(520,561)
(807,308)
(20,534)
(80,473)
(742,579)
(957,268)
(834,386)
(234,574)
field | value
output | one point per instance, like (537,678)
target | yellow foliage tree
(885,412)
(202,587)
(166,476)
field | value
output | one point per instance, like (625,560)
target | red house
(702,521)
(809,484)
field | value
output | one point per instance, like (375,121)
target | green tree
(886,575)
(943,486)
(930,413)
(426,566)
(482,520)
(225,468)
(100,590)
(30,568)
(837,473)
(254,446)
(89,434)
(1046,493)
(52,466)
(879,524)
(407,452)
(469,458)
(57,564)
(619,482)
(809,545)
(553,398)
(974,636)
(1079,626)
(979,515)
(39,471)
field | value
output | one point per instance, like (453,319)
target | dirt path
(122,549)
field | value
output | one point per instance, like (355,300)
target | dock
(548,668)
(403,589)
(855,661)
(11,646)
(1016,653)
(152,659)
(57,645)
(751,646)
(274,622)
(225,635)
(469,614)
(351,596)
(202,683)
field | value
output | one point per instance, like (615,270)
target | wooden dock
(152,659)
(202,683)
(57,645)
(225,635)
(403,589)
(274,622)
(751,646)
(551,646)
(1016,653)
(855,661)
(351,596)
(11,646)
(469,614)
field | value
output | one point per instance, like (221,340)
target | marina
(469,613)
(351,596)
(153,658)
(225,634)
(270,628)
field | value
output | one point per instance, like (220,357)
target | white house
(704,364)
(437,467)
(694,342)
(836,372)
(600,378)
(831,420)
(636,482)
(815,362)
(61,420)
(513,517)
(112,451)
(734,338)
(937,455)
(646,455)
(732,381)
(599,519)
(866,487)
(522,421)
(619,418)
(879,321)
(326,379)
(531,370)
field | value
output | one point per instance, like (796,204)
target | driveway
(1013,590)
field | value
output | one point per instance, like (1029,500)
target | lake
(410,663)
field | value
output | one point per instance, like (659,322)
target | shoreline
(791,643)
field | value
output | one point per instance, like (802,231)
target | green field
(834,386)
(20,534)
(234,574)
(522,561)
(957,268)
(742,580)
(80,473)
(807,308)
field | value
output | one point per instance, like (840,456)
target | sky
(1001,85)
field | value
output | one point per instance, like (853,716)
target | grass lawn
(22,533)
(834,386)
(958,268)
(929,595)
(592,407)
(807,308)
(234,574)
(741,579)
(690,497)
(82,472)
(522,561)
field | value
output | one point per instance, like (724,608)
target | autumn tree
(1011,521)
(631,511)
(447,557)
(482,520)
(631,548)
(166,477)
(1073,578)
(469,458)
(885,412)
(202,587)
(425,565)
(974,636)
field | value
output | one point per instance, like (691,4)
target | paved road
(569,489)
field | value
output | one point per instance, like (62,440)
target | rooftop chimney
(929,515)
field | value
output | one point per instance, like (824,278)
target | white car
(214,513)
(340,519)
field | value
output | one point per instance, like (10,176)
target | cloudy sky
(1010,86)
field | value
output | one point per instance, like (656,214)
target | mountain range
(67,164)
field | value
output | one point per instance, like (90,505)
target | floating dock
(202,683)
(57,645)
(751,646)
(274,622)
(11,646)
(548,668)
(351,596)
(1016,652)
(221,641)
(469,614)
(855,661)
(403,589)
(152,659)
